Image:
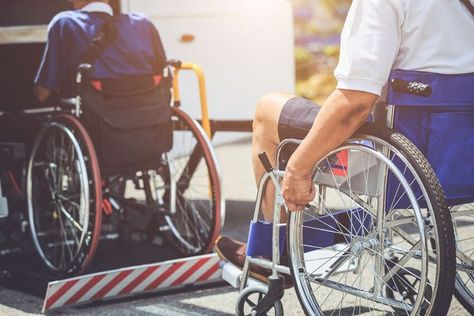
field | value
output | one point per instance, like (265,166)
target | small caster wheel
(250,297)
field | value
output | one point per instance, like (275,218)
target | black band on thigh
(296,118)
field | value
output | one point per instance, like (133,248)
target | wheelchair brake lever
(265,161)
(174,63)
(275,176)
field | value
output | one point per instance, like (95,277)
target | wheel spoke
(70,218)
(195,220)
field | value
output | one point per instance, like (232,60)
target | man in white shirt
(378,36)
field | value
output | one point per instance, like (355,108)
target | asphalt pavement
(240,191)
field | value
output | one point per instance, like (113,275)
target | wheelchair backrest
(129,122)
(436,112)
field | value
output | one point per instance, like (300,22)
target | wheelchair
(378,238)
(68,192)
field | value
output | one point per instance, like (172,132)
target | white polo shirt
(425,35)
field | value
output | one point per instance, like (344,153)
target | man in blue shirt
(136,50)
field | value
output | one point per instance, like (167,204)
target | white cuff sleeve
(360,85)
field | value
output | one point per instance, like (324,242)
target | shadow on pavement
(237,219)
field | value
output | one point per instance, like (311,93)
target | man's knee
(267,111)
(263,108)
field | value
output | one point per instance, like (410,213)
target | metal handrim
(295,237)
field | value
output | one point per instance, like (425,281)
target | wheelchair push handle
(411,87)
(82,71)
(175,63)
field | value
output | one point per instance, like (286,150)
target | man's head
(79,4)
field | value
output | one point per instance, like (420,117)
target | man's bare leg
(266,138)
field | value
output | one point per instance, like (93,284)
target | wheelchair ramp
(131,281)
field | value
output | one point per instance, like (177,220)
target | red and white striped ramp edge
(132,280)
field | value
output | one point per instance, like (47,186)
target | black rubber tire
(440,214)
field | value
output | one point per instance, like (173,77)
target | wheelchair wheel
(250,297)
(191,189)
(463,219)
(379,217)
(64,194)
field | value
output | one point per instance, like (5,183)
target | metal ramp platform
(135,280)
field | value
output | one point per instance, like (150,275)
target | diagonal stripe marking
(209,272)
(196,275)
(141,287)
(119,287)
(185,267)
(107,278)
(189,272)
(216,275)
(164,276)
(84,289)
(60,292)
(132,285)
(70,293)
(109,286)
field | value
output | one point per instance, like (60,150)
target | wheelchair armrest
(63,103)
(67,103)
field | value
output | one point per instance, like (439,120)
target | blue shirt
(137,49)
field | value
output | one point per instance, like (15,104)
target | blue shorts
(296,118)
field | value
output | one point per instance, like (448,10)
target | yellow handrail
(205,122)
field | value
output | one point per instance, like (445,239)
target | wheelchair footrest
(232,275)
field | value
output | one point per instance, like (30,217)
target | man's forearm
(341,115)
